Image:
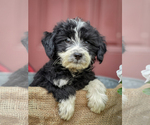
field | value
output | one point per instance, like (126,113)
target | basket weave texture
(43,109)
(13,106)
(136,110)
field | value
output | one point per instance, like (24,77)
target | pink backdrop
(136,34)
(13,24)
(105,15)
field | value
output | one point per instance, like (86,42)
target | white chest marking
(60,82)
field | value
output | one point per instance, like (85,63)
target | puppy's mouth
(75,61)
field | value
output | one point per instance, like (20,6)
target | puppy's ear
(102,50)
(48,43)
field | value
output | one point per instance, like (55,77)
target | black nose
(77,56)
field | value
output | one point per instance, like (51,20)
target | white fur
(66,108)
(79,23)
(77,38)
(60,82)
(96,96)
(68,59)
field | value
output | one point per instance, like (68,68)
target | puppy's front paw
(97,102)
(66,108)
(96,96)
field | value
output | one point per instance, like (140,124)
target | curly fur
(65,73)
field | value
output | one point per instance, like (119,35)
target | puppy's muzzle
(78,56)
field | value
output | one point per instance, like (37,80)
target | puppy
(72,48)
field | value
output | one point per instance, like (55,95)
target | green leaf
(148,82)
(119,91)
(146,91)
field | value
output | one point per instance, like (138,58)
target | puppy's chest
(78,81)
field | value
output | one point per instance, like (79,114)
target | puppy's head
(75,44)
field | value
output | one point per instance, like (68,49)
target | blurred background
(13,62)
(104,15)
(13,29)
(136,35)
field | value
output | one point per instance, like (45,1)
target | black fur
(54,43)
(102,50)
(48,44)
(44,78)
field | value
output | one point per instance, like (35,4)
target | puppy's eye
(86,42)
(68,41)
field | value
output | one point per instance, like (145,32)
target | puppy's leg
(66,107)
(96,96)
(66,101)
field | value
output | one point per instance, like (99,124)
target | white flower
(146,73)
(119,73)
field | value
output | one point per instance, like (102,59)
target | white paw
(96,96)
(66,108)
(97,103)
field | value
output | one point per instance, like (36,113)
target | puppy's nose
(77,56)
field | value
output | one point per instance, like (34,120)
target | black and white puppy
(72,48)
